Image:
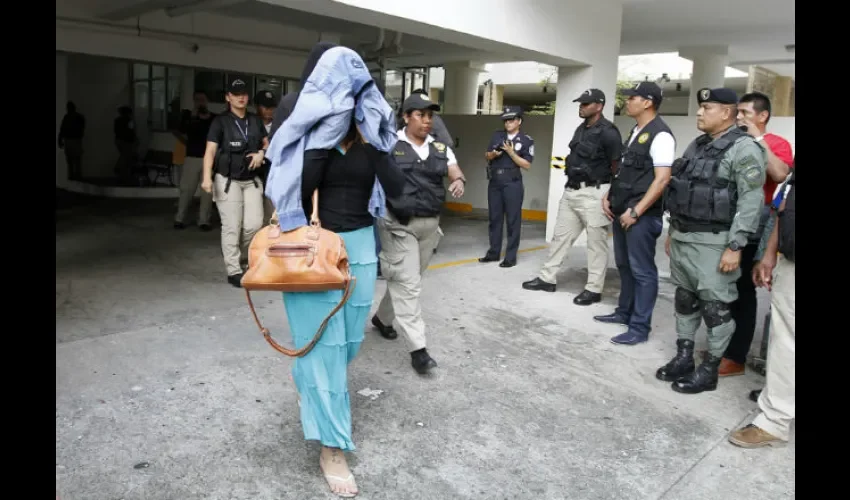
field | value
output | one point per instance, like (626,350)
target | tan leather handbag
(306,259)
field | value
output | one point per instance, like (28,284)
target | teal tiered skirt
(321,376)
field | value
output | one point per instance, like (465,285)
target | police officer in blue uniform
(510,152)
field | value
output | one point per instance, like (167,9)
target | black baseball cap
(720,95)
(419,101)
(591,95)
(265,98)
(647,90)
(511,112)
(237,84)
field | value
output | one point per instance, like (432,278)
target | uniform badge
(398,153)
(642,138)
(424,97)
(704,93)
(439,146)
(269,95)
(518,146)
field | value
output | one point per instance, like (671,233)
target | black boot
(703,379)
(682,364)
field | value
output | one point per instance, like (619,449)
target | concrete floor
(166,391)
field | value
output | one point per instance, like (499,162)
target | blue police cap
(511,112)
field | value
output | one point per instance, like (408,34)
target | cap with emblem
(591,95)
(720,95)
(266,99)
(236,85)
(647,90)
(511,112)
(419,101)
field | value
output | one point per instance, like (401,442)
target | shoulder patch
(439,146)
(754,175)
(642,138)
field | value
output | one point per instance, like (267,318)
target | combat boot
(682,364)
(703,379)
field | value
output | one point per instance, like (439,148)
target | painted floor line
(475,260)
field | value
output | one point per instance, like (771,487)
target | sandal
(349,481)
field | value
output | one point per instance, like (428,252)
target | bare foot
(337,474)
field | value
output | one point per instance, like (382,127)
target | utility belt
(698,227)
(253,174)
(511,173)
(405,219)
(579,184)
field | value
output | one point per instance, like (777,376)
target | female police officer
(236,147)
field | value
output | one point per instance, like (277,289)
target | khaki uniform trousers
(241,211)
(580,210)
(190,179)
(777,400)
(406,251)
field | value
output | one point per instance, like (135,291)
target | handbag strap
(297,353)
(314,217)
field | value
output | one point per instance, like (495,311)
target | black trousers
(504,200)
(745,309)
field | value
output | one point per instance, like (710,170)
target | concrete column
(461,88)
(61,100)
(572,81)
(709,69)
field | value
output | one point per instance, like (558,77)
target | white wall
(473,133)
(98,86)
(552,31)
(61,99)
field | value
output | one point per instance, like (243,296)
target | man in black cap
(510,152)
(411,229)
(591,164)
(236,146)
(715,200)
(266,103)
(634,205)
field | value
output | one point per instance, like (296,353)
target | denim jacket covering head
(338,88)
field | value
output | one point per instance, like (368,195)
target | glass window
(272,83)
(211,82)
(141,71)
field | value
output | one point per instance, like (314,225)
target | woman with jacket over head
(344,177)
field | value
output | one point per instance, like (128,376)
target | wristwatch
(633,213)
(759,138)
(734,246)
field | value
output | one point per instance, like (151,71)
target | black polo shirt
(196,130)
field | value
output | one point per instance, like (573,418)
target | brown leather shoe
(752,436)
(729,368)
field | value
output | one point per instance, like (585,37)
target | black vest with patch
(424,192)
(232,162)
(787,218)
(587,161)
(637,171)
(697,199)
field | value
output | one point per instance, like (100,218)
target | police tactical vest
(424,193)
(587,161)
(787,245)
(698,201)
(636,171)
(232,162)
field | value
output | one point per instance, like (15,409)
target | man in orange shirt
(753,114)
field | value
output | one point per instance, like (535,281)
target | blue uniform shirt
(523,145)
